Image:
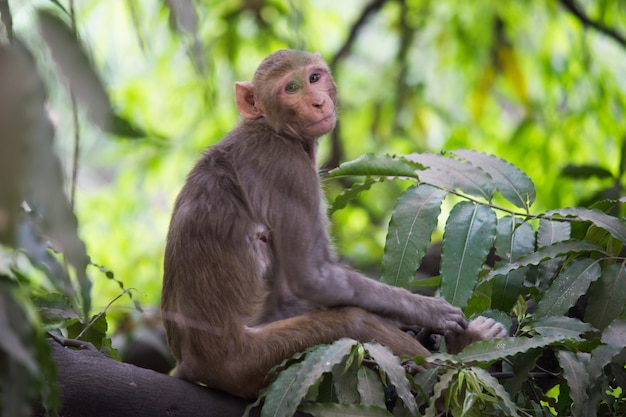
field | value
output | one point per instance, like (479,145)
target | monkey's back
(220,258)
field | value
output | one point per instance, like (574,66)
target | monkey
(250,277)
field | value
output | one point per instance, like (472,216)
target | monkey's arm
(321,280)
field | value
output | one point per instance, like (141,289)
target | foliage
(546,264)
(538,83)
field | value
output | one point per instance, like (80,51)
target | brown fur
(250,278)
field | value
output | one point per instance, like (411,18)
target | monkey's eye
(292,87)
(315,77)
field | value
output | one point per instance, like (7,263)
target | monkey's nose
(318,102)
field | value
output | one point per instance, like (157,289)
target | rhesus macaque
(250,277)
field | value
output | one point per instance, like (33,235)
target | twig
(370,9)
(79,344)
(577,11)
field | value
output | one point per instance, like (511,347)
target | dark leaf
(412,223)
(468,237)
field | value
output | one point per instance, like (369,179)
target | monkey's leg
(244,371)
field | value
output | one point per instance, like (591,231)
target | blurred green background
(540,83)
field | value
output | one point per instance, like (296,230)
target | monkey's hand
(481,328)
(438,315)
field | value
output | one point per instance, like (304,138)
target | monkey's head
(293,92)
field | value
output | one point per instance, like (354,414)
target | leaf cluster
(557,279)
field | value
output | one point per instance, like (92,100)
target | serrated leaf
(607,296)
(611,224)
(412,223)
(451,174)
(444,382)
(488,351)
(614,339)
(576,376)
(545,253)
(551,231)
(585,171)
(491,382)
(375,165)
(351,193)
(370,387)
(390,364)
(561,326)
(572,282)
(513,240)
(292,384)
(468,237)
(343,381)
(343,410)
(510,181)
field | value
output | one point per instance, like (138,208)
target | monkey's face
(305,102)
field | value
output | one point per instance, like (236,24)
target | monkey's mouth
(323,119)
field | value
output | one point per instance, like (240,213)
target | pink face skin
(306,93)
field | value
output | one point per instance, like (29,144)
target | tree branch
(93,385)
(577,11)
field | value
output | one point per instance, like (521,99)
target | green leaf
(370,387)
(343,410)
(493,384)
(614,339)
(351,193)
(576,376)
(451,174)
(412,223)
(545,253)
(510,181)
(562,327)
(611,224)
(585,171)
(343,380)
(390,364)
(568,286)
(513,240)
(552,231)
(443,384)
(375,165)
(488,351)
(468,237)
(607,296)
(292,384)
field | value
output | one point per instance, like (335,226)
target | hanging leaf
(614,339)
(545,253)
(376,165)
(510,181)
(514,239)
(494,386)
(607,296)
(82,78)
(440,387)
(292,384)
(575,373)
(412,223)
(468,237)
(370,387)
(569,285)
(351,193)
(390,364)
(611,224)
(452,174)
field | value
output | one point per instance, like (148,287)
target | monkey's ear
(246,103)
